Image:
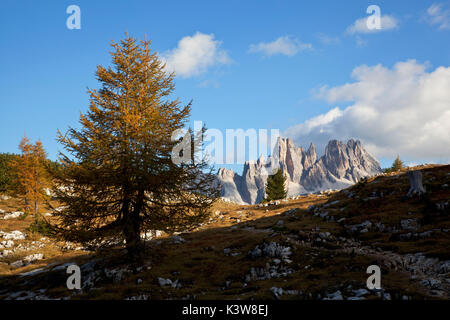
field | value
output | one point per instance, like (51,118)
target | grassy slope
(206,272)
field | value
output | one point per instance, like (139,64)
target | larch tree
(275,186)
(118,179)
(32,178)
(397,164)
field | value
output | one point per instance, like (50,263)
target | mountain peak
(312,148)
(342,165)
(260,159)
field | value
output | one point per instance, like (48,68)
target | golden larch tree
(118,179)
(31,173)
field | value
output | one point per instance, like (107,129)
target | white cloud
(437,15)
(326,39)
(194,55)
(360,42)
(283,45)
(360,26)
(404,110)
(209,83)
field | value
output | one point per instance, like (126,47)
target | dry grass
(204,270)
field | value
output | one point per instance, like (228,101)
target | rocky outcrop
(342,165)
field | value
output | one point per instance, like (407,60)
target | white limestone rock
(6,244)
(33,257)
(13,235)
(13,215)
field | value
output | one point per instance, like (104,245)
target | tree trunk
(27,202)
(132,229)
(132,235)
(415,180)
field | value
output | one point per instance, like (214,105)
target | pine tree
(275,186)
(119,179)
(397,165)
(32,177)
(7,176)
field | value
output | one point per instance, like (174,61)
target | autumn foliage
(118,179)
(31,175)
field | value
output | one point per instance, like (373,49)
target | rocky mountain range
(342,165)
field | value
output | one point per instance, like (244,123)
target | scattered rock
(278,292)
(167,282)
(356,298)
(272,249)
(139,297)
(6,253)
(33,272)
(359,228)
(6,244)
(117,274)
(410,224)
(33,257)
(360,292)
(380,227)
(335,296)
(151,234)
(13,235)
(326,205)
(442,205)
(17,264)
(13,215)
(431,283)
(63,266)
(324,235)
(178,240)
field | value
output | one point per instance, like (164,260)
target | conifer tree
(7,176)
(118,179)
(275,186)
(398,164)
(31,174)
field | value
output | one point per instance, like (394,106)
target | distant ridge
(341,166)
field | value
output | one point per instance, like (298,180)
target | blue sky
(253,81)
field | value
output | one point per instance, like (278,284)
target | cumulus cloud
(194,55)
(437,15)
(403,110)
(283,45)
(360,25)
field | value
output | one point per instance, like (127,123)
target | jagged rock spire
(342,165)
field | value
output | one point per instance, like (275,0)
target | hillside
(311,247)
